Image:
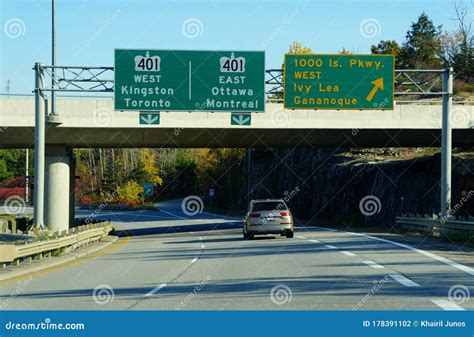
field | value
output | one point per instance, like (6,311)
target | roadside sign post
(339,82)
(177,80)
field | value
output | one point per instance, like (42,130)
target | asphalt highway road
(168,260)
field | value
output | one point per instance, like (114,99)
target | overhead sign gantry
(171,80)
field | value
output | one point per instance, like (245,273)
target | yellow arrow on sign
(378,84)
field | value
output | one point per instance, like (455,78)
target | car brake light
(255,215)
(286,213)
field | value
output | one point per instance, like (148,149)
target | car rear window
(268,206)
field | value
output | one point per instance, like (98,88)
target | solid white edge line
(345,252)
(330,246)
(176,216)
(373,264)
(449,262)
(315,241)
(447,305)
(403,280)
(157,289)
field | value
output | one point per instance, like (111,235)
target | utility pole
(7,88)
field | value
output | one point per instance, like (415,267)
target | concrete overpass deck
(92,122)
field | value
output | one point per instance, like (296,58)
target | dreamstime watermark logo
(103,294)
(103,27)
(280,118)
(103,117)
(281,294)
(14,28)
(459,294)
(370,205)
(288,195)
(374,290)
(370,28)
(108,198)
(192,205)
(192,28)
(199,286)
(14,205)
(21,286)
(281,27)
(465,196)
(459,117)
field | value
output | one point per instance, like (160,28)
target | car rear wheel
(289,235)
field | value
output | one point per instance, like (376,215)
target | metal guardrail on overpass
(44,245)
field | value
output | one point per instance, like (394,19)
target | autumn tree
(298,49)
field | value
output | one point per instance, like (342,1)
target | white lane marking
(301,237)
(449,262)
(315,241)
(203,246)
(176,216)
(200,238)
(157,289)
(447,305)
(373,264)
(345,252)
(403,280)
(194,260)
(330,246)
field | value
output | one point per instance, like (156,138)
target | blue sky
(89,30)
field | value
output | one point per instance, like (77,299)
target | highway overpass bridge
(92,122)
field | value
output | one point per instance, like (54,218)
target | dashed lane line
(157,289)
(373,264)
(347,253)
(447,305)
(403,280)
(449,262)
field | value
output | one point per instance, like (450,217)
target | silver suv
(268,216)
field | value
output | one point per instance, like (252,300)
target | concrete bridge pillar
(57,188)
(72,187)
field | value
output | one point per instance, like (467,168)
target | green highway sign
(149,118)
(347,82)
(171,80)
(240,119)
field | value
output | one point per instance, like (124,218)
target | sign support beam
(446,143)
(40,120)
